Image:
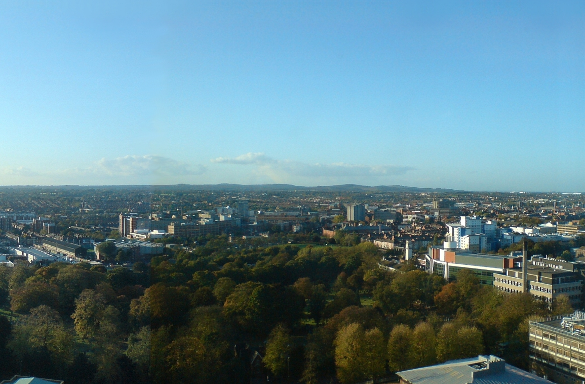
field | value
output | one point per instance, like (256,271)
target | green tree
(278,350)
(317,302)
(43,331)
(562,306)
(343,299)
(139,348)
(106,250)
(223,288)
(338,219)
(567,256)
(93,317)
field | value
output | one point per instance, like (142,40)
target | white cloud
(19,172)
(148,165)
(131,169)
(248,158)
(296,171)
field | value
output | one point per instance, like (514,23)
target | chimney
(524,267)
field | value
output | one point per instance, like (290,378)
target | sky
(474,95)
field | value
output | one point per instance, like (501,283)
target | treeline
(226,313)
(73,322)
(554,249)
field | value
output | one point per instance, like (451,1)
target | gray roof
(479,370)
(30,380)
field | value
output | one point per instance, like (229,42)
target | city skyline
(485,96)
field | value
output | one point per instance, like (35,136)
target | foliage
(359,354)
(399,344)
(278,350)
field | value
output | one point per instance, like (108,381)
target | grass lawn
(367,301)
(8,314)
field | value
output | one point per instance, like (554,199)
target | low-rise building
(447,261)
(557,348)
(547,279)
(477,370)
(61,247)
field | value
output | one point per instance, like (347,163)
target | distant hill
(243,187)
(324,188)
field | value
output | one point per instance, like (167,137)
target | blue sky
(466,95)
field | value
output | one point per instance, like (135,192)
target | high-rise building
(127,224)
(243,208)
(356,212)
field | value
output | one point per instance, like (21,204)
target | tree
(562,305)
(88,311)
(359,354)
(343,299)
(567,256)
(202,297)
(106,251)
(398,348)
(139,350)
(348,353)
(317,302)
(168,305)
(448,299)
(43,334)
(223,288)
(458,342)
(305,287)
(33,294)
(470,342)
(374,353)
(338,219)
(423,348)
(319,355)
(278,350)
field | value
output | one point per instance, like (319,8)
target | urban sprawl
(240,284)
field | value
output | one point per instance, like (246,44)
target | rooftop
(478,370)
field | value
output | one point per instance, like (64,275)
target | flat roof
(479,370)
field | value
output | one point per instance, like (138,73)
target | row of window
(567,289)
(540,289)
(536,333)
(509,282)
(560,363)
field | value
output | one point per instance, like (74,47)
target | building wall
(356,212)
(557,352)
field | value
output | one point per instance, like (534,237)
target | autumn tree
(359,354)
(33,294)
(89,308)
(423,348)
(399,344)
(458,342)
